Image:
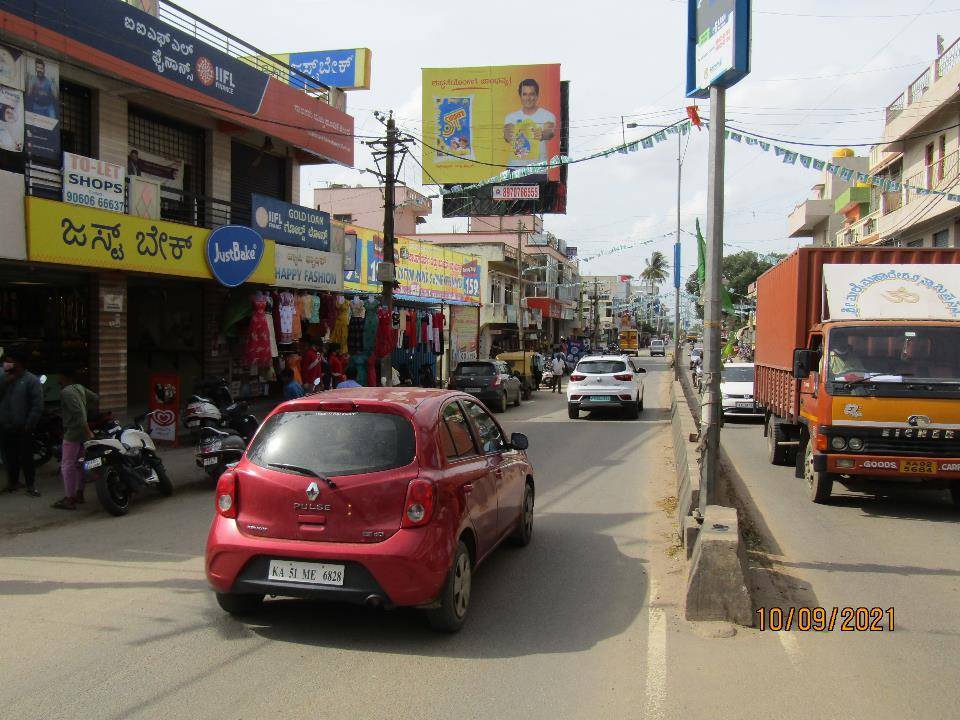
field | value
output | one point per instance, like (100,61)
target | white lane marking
(789,642)
(656,684)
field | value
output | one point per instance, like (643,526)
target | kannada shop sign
(143,49)
(87,237)
(310,269)
(478,120)
(344,69)
(288,224)
(233,253)
(93,183)
(423,270)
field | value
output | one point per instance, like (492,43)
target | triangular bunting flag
(846,174)
(660,136)
(953,198)
(765,146)
(861,177)
(818,164)
(805,161)
(751,140)
(736,137)
(778,151)
(647,142)
(789,157)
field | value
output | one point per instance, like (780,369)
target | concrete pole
(712,308)
(676,272)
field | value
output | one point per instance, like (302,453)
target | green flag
(725,299)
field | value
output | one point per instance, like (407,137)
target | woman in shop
(337,364)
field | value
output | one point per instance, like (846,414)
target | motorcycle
(217,409)
(218,450)
(121,462)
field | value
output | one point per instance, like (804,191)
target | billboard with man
(480,121)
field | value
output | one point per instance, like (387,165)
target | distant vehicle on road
(606,381)
(736,390)
(377,496)
(658,347)
(491,381)
(696,357)
(629,342)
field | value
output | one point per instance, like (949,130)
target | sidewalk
(20,513)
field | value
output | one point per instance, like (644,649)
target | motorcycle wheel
(113,493)
(165,486)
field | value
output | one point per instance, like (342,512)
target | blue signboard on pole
(289,224)
(718,44)
(676,265)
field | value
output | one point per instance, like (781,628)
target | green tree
(739,271)
(656,269)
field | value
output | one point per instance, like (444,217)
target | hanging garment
(373,377)
(296,330)
(397,329)
(339,334)
(438,321)
(360,363)
(314,308)
(331,308)
(274,352)
(384,339)
(411,332)
(292,363)
(370,326)
(257,351)
(357,308)
(355,336)
(287,313)
(426,330)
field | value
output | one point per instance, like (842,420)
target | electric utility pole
(711,307)
(676,271)
(389,209)
(522,346)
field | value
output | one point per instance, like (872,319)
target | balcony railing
(937,176)
(919,87)
(896,107)
(175,205)
(947,60)
(183,19)
(857,232)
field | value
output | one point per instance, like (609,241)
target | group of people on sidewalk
(324,363)
(21,407)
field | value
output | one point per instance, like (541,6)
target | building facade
(363,206)
(817,217)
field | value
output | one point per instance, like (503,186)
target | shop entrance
(47,315)
(164,335)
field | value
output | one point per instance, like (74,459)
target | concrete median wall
(684,452)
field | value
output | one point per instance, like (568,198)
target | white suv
(605,381)
(658,347)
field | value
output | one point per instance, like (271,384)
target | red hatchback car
(381,496)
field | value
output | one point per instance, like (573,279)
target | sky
(822,72)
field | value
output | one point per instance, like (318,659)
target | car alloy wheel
(461,585)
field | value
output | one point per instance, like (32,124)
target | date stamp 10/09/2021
(820,619)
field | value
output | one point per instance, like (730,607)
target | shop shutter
(254,171)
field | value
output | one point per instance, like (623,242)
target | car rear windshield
(601,367)
(334,443)
(738,374)
(475,369)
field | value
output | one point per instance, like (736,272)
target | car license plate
(918,467)
(747,405)
(93,464)
(599,398)
(305,572)
(472,390)
(209,461)
(192,423)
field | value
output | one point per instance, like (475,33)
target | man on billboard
(528,129)
(41,95)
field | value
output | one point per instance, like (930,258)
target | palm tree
(656,269)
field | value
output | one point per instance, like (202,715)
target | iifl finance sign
(718,44)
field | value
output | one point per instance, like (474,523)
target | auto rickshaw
(526,365)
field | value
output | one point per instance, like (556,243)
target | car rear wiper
(304,471)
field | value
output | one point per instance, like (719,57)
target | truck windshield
(890,353)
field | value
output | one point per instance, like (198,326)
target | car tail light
(577,377)
(623,377)
(341,407)
(624,397)
(496,381)
(418,507)
(227,495)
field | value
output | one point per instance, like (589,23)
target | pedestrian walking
(75,401)
(21,404)
(557,366)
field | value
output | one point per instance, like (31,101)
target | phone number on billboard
(94,201)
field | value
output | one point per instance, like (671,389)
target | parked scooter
(215,408)
(218,450)
(123,461)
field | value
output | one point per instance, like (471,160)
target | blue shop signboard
(233,253)
(289,224)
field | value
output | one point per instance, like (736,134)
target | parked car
(696,357)
(379,496)
(658,347)
(736,389)
(491,381)
(606,381)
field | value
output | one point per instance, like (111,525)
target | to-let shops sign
(85,237)
(93,183)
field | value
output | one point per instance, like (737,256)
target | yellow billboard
(480,121)
(75,235)
(423,271)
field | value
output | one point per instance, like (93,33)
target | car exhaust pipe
(374,601)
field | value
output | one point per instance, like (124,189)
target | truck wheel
(776,453)
(819,484)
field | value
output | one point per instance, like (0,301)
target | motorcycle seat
(217,432)
(199,399)
(239,406)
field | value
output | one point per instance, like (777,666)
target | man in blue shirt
(291,388)
(351,381)
(41,96)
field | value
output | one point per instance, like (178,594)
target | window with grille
(168,138)
(76,119)
(941,239)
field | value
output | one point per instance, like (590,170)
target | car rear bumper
(730,408)
(946,471)
(585,402)
(408,568)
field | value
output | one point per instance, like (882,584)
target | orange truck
(628,342)
(858,368)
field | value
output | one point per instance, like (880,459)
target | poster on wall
(165,404)
(11,120)
(11,67)
(463,333)
(41,104)
(166,171)
(94,183)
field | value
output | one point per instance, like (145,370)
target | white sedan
(736,389)
(606,381)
